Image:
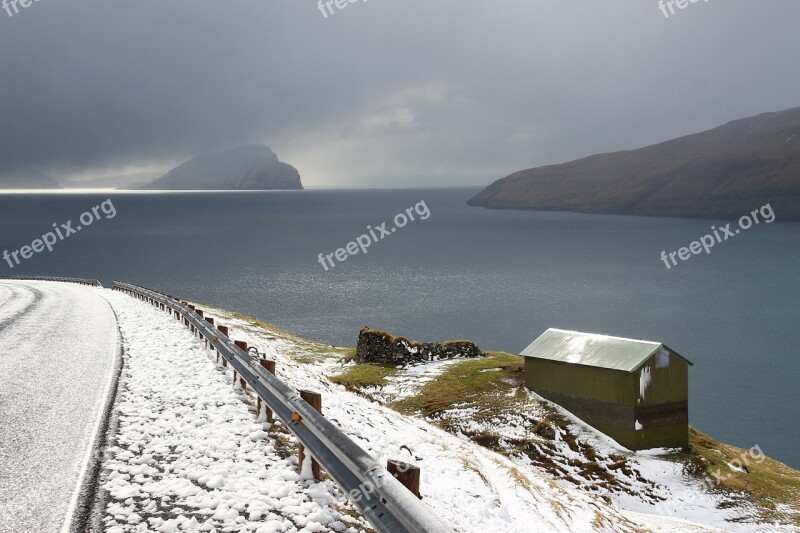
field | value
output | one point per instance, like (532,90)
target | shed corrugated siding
(599,384)
(667,384)
(663,437)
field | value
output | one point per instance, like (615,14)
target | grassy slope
(491,388)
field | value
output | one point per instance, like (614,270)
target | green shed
(636,392)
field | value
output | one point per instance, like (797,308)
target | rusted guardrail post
(269,366)
(199,332)
(208,343)
(314,399)
(242,382)
(407,474)
(224,330)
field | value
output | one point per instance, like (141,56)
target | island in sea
(249,167)
(724,172)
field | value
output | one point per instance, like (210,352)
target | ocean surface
(499,278)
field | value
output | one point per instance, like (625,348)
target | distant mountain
(241,168)
(26,178)
(724,172)
(125,181)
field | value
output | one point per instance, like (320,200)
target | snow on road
(15,298)
(58,348)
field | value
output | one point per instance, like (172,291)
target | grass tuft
(359,377)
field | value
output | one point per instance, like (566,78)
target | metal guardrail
(82,281)
(383,501)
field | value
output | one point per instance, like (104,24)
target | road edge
(83,502)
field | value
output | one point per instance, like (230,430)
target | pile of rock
(380,347)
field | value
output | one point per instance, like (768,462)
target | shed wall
(611,400)
(663,410)
(671,382)
(592,383)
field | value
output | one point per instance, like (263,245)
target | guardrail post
(314,399)
(242,382)
(408,475)
(210,320)
(270,367)
(224,330)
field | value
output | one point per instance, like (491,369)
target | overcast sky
(383,92)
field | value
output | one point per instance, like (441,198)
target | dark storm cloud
(382,92)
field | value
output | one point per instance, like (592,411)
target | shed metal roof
(615,353)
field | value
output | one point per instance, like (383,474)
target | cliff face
(724,172)
(26,178)
(242,168)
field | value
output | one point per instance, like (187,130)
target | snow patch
(644,381)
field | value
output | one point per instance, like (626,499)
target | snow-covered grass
(470,487)
(188,454)
(484,400)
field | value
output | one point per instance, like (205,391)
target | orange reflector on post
(296,416)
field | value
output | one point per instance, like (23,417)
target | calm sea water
(499,278)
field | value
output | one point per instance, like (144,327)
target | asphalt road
(59,345)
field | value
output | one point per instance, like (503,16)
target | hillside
(251,167)
(26,178)
(483,402)
(470,488)
(724,172)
